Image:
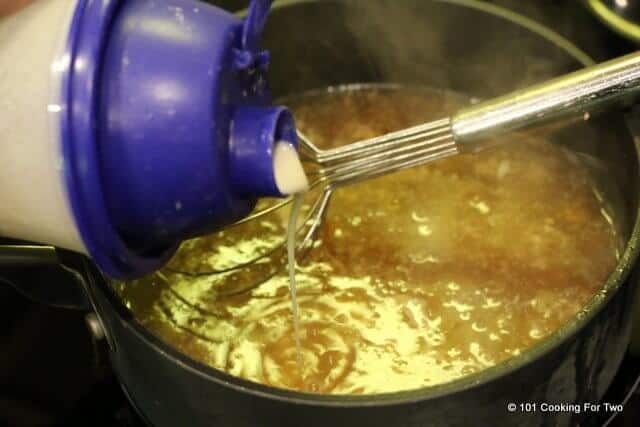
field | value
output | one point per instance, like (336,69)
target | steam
(445,44)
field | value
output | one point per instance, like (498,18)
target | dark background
(52,373)
(566,17)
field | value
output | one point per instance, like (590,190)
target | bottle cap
(168,131)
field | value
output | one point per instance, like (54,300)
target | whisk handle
(578,94)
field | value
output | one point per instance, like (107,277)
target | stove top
(53,374)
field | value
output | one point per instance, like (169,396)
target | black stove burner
(52,373)
(624,390)
(106,406)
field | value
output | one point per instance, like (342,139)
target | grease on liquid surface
(417,278)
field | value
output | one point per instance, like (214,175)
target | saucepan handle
(27,256)
(615,83)
(43,274)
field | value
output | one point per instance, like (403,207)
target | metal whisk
(580,95)
(378,156)
(577,95)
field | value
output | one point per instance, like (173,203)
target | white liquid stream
(291,179)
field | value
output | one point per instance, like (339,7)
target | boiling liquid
(416,278)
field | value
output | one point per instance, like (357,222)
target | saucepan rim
(555,339)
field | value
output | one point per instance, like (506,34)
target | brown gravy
(417,278)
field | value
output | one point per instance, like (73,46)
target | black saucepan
(461,45)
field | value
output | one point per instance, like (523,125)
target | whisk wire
(381,143)
(334,168)
(378,156)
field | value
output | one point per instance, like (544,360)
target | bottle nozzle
(263,153)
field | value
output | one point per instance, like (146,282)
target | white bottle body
(33,200)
